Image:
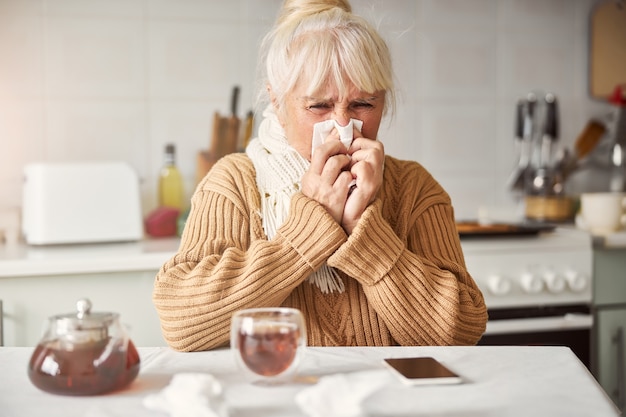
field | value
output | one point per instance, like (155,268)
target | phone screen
(422,370)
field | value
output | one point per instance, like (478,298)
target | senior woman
(315,216)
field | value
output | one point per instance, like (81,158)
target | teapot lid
(83,319)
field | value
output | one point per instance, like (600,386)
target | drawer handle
(618,339)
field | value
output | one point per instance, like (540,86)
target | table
(500,381)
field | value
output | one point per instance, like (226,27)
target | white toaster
(91,202)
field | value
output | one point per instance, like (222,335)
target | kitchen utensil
(232,125)
(616,182)
(523,137)
(589,138)
(543,180)
(618,100)
(586,142)
(538,173)
(268,343)
(84,353)
(551,127)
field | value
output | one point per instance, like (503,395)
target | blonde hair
(321,41)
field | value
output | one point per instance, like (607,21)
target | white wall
(117,79)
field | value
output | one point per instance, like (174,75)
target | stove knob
(554,282)
(498,285)
(576,282)
(531,283)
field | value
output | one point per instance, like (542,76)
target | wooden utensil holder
(224,141)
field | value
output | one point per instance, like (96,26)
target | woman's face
(301,112)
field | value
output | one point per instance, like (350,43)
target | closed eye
(362,105)
(319,106)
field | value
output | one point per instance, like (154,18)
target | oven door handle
(540,324)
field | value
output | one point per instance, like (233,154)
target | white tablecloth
(499,381)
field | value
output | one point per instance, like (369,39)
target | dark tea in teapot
(84,354)
(89,369)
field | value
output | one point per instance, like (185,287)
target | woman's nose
(341,116)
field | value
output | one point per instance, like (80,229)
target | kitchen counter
(25,260)
(150,254)
(498,381)
(116,277)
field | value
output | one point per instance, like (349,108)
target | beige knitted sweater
(403,268)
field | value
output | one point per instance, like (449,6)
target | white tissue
(341,395)
(321,131)
(189,395)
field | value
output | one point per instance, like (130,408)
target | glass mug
(268,343)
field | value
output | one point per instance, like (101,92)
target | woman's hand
(333,167)
(328,178)
(366,166)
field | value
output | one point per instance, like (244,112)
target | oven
(537,288)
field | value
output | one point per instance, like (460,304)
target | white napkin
(322,129)
(341,395)
(189,395)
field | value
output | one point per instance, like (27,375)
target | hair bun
(297,9)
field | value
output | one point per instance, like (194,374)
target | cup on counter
(602,213)
(268,343)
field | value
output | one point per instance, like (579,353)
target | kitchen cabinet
(29,301)
(609,306)
(38,282)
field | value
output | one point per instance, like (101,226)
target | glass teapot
(84,353)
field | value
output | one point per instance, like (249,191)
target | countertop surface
(497,381)
(144,255)
(150,254)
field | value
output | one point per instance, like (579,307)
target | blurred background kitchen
(100,80)
(85,81)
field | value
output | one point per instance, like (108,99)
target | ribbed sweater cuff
(372,249)
(311,230)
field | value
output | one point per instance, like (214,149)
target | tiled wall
(117,79)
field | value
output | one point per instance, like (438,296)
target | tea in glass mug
(268,343)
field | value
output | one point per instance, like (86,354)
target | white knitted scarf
(279,170)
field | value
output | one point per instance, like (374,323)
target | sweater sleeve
(417,283)
(222,267)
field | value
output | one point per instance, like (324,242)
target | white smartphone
(422,371)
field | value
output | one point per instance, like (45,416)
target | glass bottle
(171,191)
